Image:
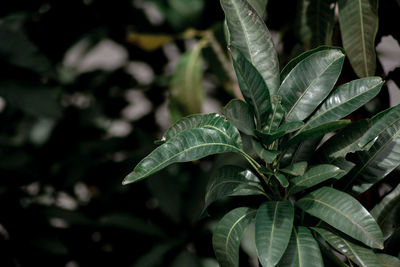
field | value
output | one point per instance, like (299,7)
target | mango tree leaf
(227,235)
(282,179)
(358,21)
(358,254)
(252,86)
(267,155)
(186,146)
(300,152)
(232,181)
(316,131)
(240,115)
(268,138)
(387,212)
(259,6)
(343,212)
(276,115)
(274,223)
(344,165)
(296,169)
(302,250)
(186,89)
(293,62)
(388,260)
(315,175)
(310,82)
(382,158)
(249,33)
(210,121)
(316,22)
(345,99)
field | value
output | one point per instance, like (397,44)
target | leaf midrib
(311,177)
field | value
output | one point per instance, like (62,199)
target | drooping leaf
(344,100)
(274,223)
(358,21)
(302,250)
(227,235)
(316,131)
(240,115)
(252,86)
(282,179)
(232,181)
(209,121)
(344,165)
(186,87)
(386,212)
(314,175)
(344,142)
(310,82)
(343,212)
(316,22)
(186,146)
(358,254)
(276,115)
(249,33)
(383,156)
(296,169)
(388,260)
(267,155)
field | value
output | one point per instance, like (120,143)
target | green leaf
(345,99)
(344,142)
(343,212)
(383,156)
(317,131)
(358,254)
(267,155)
(315,175)
(302,250)
(300,152)
(276,115)
(316,22)
(274,223)
(252,86)
(268,138)
(358,21)
(240,115)
(386,213)
(388,260)
(282,179)
(186,146)
(249,33)
(232,181)
(186,89)
(209,121)
(296,169)
(228,233)
(310,82)
(293,62)
(259,6)
(344,165)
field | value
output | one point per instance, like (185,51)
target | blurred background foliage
(86,86)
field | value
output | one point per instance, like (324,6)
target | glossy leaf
(316,22)
(282,179)
(259,6)
(240,115)
(302,250)
(252,86)
(186,87)
(358,21)
(268,138)
(274,223)
(358,254)
(344,100)
(383,156)
(343,212)
(386,212)
(314,175)
(300,152)
(228,233)
(317,131)
(344,165)
(267,155)
(249,33)
(310,82)
(232,181)
(296,169)
(210,121)
(188,145)
(276,115)
(388,260)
